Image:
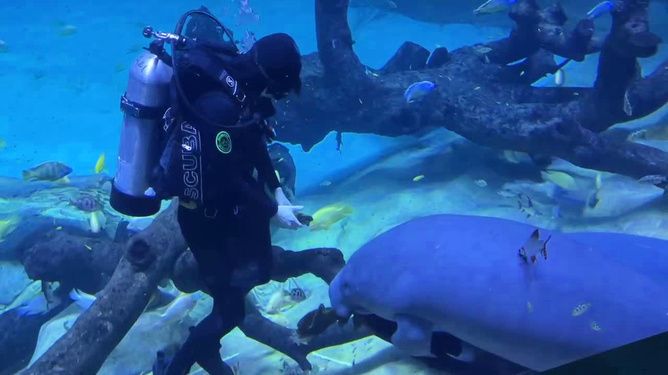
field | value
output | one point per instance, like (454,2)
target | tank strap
(141,111)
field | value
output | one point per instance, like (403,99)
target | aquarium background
(64,66)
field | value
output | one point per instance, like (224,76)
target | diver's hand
(280,197)
(285,216)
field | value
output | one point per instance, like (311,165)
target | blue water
(60,94)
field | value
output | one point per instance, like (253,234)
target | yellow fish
(561,179)
(418,178)
(330,215)
(97,221)
(8,225)
(99,164)
(581,309)
(3,143)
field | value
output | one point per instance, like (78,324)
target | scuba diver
(213,139)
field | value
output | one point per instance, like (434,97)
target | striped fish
(49,171)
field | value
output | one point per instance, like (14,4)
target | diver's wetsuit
(231,235)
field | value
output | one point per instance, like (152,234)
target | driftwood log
(485,98)
(157,253)
(149,257)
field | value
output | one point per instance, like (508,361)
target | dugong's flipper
(413,335)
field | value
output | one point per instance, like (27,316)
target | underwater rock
(13,279)
(620,195)
(616,196)
(138,224)
(410,56)
(19,333)
(540,315)
(438,58)
(17,188)
(136,352)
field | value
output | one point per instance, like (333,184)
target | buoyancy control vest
(161,156)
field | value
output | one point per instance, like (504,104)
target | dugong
(463,275)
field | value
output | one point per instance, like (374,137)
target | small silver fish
(534,246)
(580,309)
(654,179)
(494,6)
(600,9)
(526,206)
(595,326)
(418,90)
(559,78)
(628,108)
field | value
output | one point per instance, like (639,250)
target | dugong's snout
(339,295)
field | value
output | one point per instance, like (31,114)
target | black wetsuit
(229,235)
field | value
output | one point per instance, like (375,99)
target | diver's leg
(241,244)
(205,238)
(203,342)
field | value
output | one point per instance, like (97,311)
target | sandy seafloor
(60,102)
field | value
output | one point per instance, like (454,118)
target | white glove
(280,197)
(285,216)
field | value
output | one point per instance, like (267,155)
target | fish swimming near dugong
(584,293)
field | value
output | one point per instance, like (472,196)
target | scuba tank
(145,105)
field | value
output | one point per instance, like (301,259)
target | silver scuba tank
(144,104)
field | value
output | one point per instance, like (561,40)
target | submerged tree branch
(148,257)
(490,103)
(618,67)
